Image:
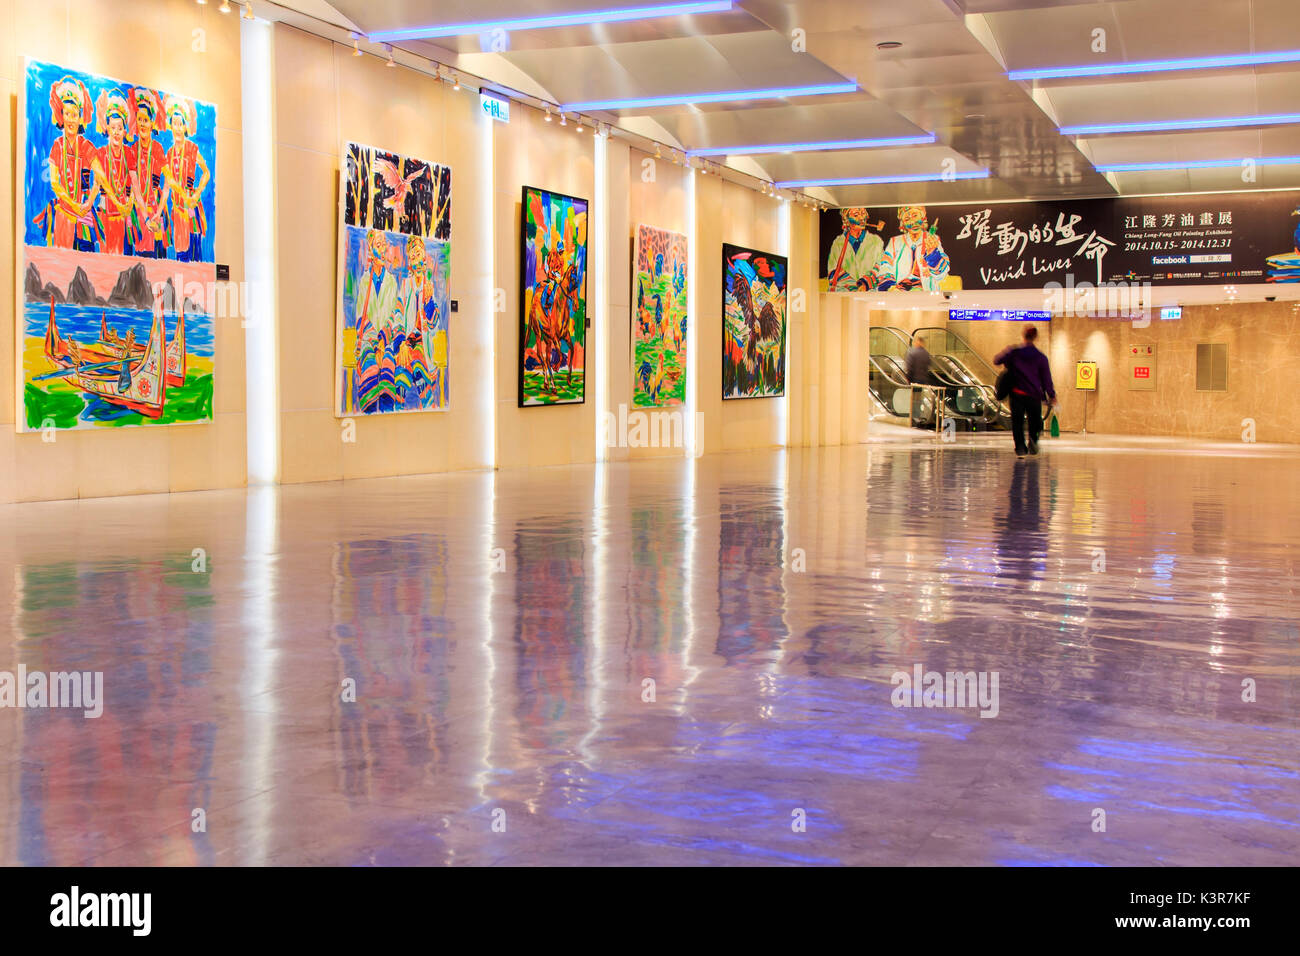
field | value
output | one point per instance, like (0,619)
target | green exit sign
(496,108)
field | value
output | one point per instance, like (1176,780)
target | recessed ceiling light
(888,45)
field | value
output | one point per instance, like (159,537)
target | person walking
(1031,385)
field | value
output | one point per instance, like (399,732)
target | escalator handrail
(988,366)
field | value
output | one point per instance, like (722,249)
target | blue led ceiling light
(730,96)
(825,145)
(556,20)
(883,180)
(1156,66)
(1199,164)
(1167,126)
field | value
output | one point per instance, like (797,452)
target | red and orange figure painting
(114,323)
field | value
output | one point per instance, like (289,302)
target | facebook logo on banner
(1170,260)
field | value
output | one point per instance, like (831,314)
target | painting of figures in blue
(394,283)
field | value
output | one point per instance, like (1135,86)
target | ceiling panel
(947,77)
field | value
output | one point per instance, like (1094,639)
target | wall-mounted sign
(494,107)
(998,315)
(1171,312)
(1142,368)
(1206,238)
(1085,376)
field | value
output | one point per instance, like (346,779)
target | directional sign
(494,107)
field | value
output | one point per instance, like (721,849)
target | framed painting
(659,319)
(753,323)
(115,308)
(553,299)
(394,283)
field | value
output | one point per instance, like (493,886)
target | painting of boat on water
(110,341)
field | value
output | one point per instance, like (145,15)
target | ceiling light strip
(580,18)
(727,96)
(825,145)
(1156,66)
(1165,126)
(883,180)
(1199,164)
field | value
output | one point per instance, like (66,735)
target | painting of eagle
(753,323)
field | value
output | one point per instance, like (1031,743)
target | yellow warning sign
(1085,376)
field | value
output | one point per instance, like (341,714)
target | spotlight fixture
(456,77)
(248,10)
(203,3)
(563,120)
(391,61)
(579,124)
(356,45)
(548,114)
(658,152)
(225,6)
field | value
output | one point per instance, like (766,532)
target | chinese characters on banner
(1163,240)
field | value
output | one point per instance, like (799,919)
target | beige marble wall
(325,97)
(1263,342)
(152,42)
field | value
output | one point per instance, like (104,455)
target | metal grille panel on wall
(1237,238)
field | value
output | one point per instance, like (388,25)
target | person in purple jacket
(1031,385)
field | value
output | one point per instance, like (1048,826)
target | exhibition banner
(1194,239)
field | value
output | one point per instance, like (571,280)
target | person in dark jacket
(917,363)
(1031,385)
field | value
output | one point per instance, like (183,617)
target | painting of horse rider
(553,298)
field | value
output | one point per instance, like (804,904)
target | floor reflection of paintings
(393,640)
(150,757)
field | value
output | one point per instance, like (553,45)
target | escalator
(887,379)
(973,378)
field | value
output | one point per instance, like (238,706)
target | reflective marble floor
(500,631)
